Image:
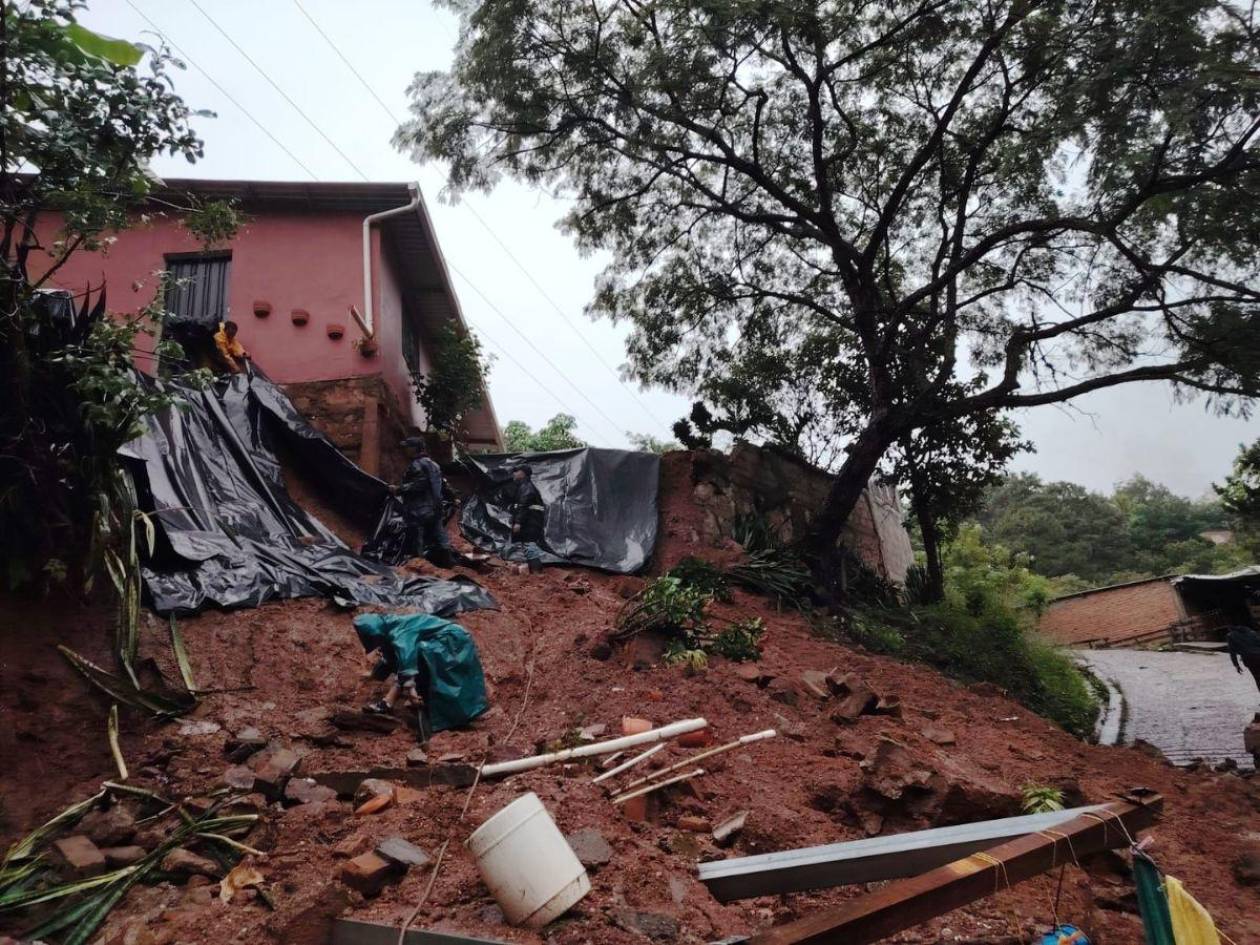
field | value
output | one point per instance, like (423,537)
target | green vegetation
(455,386)
(647,443)
(1040,799)
(1240,496)
(1083,539)
(982,632)
(557,434)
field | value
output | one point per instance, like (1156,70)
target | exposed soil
(805,787)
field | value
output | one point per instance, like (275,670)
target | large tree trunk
(934,589)
(864,456)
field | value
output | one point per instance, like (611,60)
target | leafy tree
(647,443)
(1240,494)
(556,434)
(983,205)
(949,468)
(455,386)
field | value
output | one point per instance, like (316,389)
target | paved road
(1189,705)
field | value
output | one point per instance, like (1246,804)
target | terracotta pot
(300,316)
(262,309)
(335,331)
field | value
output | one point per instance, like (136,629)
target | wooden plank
(359,932)
(909,902)
(866,861)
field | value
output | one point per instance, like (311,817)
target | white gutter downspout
(367,320)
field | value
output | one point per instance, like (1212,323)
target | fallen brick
(79,855)
(697,739)
(374,805)
(351,846)
(373,787)
(188,863)
(402,853)
(694,824)
(369,873)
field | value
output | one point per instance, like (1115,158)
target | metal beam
(910,902)
(866,861)
(359,932)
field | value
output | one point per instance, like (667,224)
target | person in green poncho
(433,663)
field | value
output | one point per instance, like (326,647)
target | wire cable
(393,117)
(224,92)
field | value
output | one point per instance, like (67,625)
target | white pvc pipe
(743,740)
(661,734)
(629,764)
(367,321)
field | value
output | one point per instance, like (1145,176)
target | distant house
(338,289)
(1153,612)
(1218,536)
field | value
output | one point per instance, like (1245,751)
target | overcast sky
(1100,440)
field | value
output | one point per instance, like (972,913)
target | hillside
(300,661)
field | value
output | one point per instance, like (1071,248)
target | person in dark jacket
(529,515)
(421,493)
(1244,647)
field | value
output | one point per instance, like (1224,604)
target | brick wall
(1114,613)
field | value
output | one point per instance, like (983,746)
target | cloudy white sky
(526,280)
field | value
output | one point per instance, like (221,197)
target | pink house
(338,290)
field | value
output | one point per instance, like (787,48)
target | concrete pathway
(1189,705)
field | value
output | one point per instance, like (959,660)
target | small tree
(1240,494)
(455,386)
(647,443)
(556,434)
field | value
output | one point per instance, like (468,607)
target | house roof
(426,282)
(1112,587)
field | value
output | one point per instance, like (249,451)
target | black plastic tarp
(232,536)
(601,505)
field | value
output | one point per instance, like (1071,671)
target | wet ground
(1189,705)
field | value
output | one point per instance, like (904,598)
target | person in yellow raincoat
(230,354)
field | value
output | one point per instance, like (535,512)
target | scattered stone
(199,727)
(677,889)
(694,824)
(591,732)
(750,672)
(724,833)
(891,771)
(790,728)
(368,873)
(636,808)
(782,691)
(374,805)
(351,721)
(855,697)
(888,705)
(188,863)
(402,853)
(243,744)
(350,846)
(123,856)
(631,725)
(815,683)
(416,758)
(941,736)
(272,767)
(590,846)
(659,928)
(306,791)
(451,757)
(239,777)
(79,855)
(199,896)
(113,827)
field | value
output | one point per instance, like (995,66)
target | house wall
(1114,614)
(308,261)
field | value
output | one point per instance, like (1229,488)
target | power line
(224,92)
(484,225)
(314,176)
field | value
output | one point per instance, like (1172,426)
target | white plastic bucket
(531,870)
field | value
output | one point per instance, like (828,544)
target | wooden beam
(866,861)
(910,902)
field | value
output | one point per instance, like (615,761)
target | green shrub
(703,576)
(741,641)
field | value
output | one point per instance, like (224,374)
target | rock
(892,770)
(781,690)
(108,828)
(402,853)
(790,728)
(369,873)
(416,758)
(79,856)
(592,732)
(590,846)
(188,863)
(630,725)
(1247,863)
(872,823)
(815,683)
(855,697)
(123,856)
(659,928)
(724,833)
(751,672)
(272,767)
(351,846)
(678,890)
(306,791)
(888,705)
(694,824)
(199,896)
(351,721)
(239,777)
(199,727)
(941,736)
(966,802)
(372,787)
(243,744)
